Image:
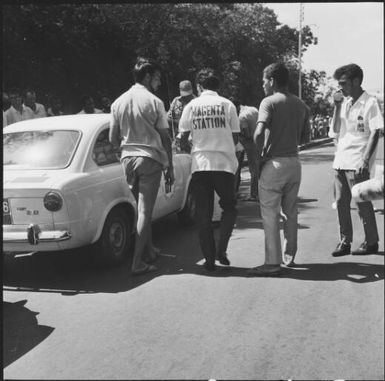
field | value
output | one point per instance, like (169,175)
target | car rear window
(51,149)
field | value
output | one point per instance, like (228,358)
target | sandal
(144,270)
(156,253)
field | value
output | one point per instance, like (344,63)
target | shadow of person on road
(351,271)
(21,331)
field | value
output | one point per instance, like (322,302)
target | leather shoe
(223,260)
(342,249)
(209,266)
(365,249)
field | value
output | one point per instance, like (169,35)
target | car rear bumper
(33,235)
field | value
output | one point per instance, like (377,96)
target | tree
(73,49)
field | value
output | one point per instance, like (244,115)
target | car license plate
(7,220)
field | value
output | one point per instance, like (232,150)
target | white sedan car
(64,188)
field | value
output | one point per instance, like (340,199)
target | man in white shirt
(356,123)
(18,111)
(213,123)
(37,108)
(139,128)
(89,106)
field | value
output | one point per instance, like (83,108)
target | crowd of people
(21,105)
(319,126)
(211,127)
(217,132)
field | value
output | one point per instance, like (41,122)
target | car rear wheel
(115,242)
(186,216)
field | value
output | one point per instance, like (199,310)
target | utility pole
(301,16)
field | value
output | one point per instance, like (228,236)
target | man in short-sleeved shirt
(212,120)
(89,106)
(178,104)
(18,111)
(285,119)
(139,127)
(356,123)
(37,108)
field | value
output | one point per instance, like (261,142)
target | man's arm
(259,136)
(162,128)
(170,113)
(185,128)
(234,123)
(184,144)
(370,148)
(167,145)
(336,119)
(114,134)
(376,124)
(305,128)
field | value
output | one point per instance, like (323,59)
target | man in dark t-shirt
(285,119)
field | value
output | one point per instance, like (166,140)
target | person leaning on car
(139,127)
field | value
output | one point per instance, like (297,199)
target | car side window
(103,153)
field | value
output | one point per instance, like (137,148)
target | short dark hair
(279,72)
(144,66)
(208,79)
(29,90)
(15,91)
(85,98)
(351,71)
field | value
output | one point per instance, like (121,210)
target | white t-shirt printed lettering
(212,120)
(212,116)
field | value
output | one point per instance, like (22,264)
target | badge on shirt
(360,124)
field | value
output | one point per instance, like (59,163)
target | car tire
(186,216)
(116,239)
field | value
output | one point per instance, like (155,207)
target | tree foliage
(69,49)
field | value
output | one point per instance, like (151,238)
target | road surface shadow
(173,261)
(21,331)
(72,273)
(351,271)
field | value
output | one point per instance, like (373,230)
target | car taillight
(53,201)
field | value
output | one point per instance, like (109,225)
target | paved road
(322,320)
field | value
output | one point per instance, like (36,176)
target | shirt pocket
(360,124)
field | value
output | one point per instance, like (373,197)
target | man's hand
(338,98)
(363,170)
(169,175)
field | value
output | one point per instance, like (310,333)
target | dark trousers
(204,184)
(365,209)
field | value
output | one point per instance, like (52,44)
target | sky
(347,33)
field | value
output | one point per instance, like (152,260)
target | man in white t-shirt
(88,105)
(213,123)
(356,123)
(37,108)
(18,111)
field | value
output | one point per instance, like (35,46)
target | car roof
(82,122)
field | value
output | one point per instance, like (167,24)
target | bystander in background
(30,101)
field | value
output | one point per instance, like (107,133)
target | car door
(168,202)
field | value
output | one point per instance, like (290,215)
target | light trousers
(278,188)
